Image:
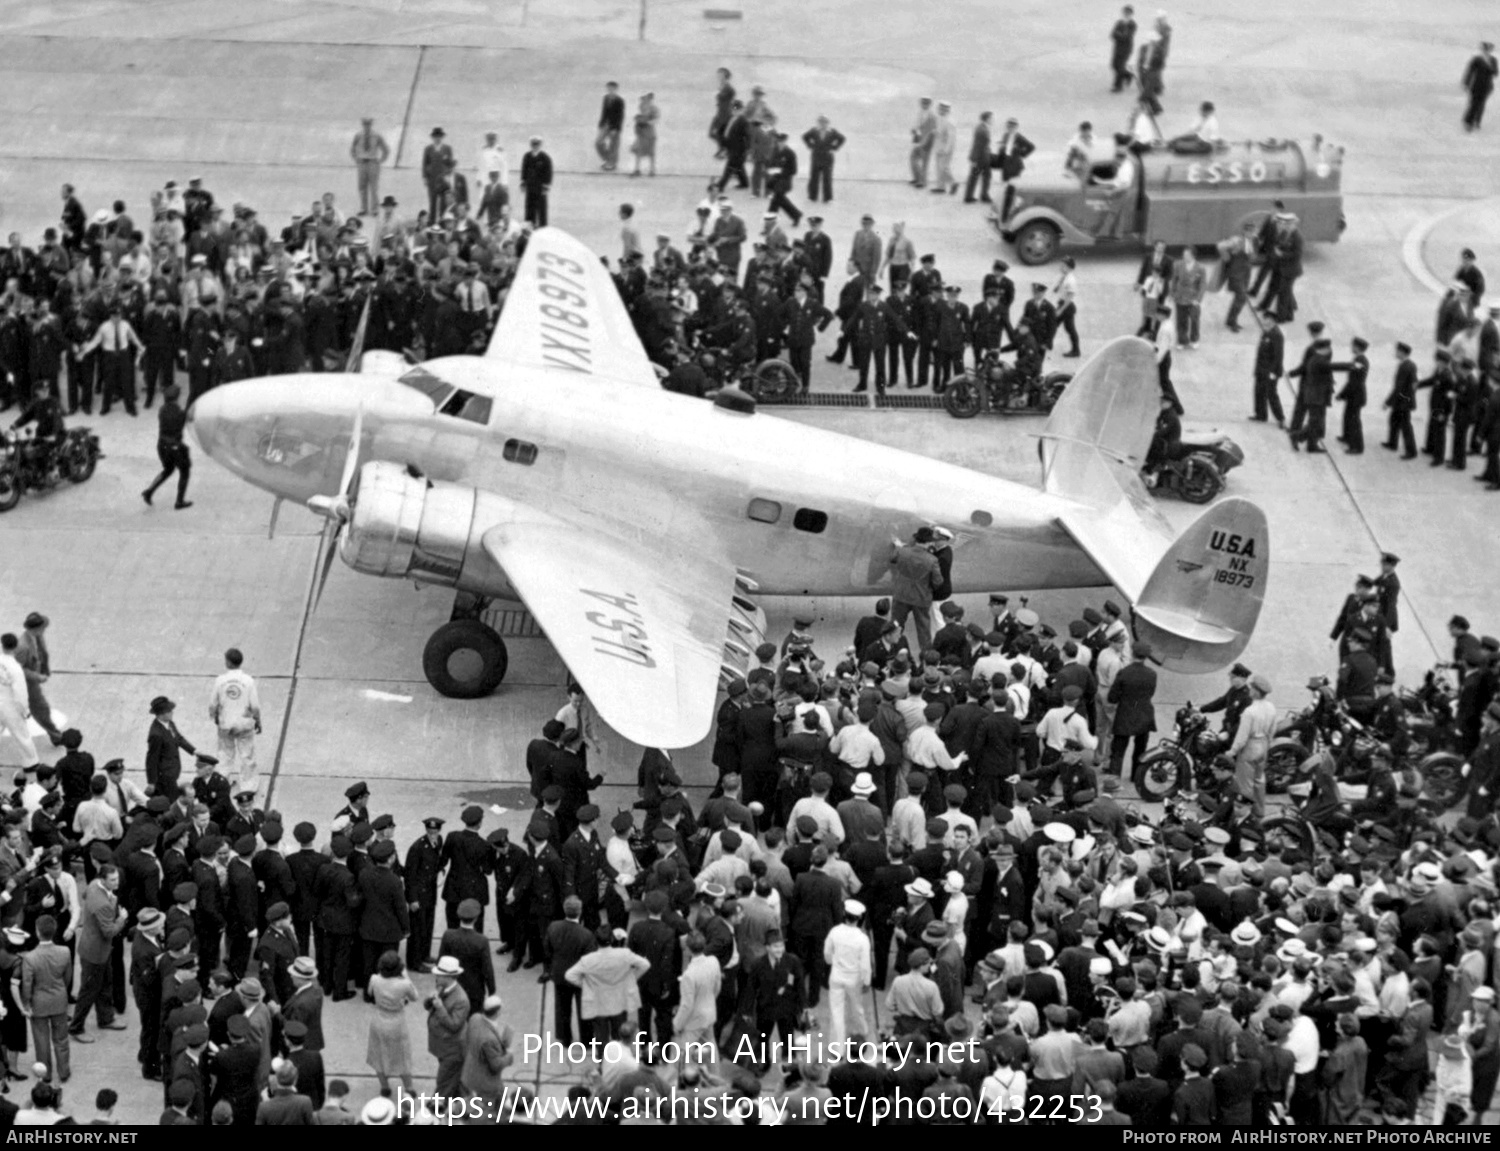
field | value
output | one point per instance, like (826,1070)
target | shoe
(858,390)
(80,1037)
(1341,439)
(1483,479)
(1408,455)
(834,359)
(146,495)
(1070,355)
(15,1076)
(542,978)
(1296,447)
(514,965)
(1458,467)
(1354,451)
(1258,419)
(1435,463)
(532,963)
(968,199)
(153,1075)
(112,1027)
(1389,447)
(1231,327)
(503,949)
(985,200)
(180,505)
(1492,487)
(1317,451)
(1194,345)
(937,191)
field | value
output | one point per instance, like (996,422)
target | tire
(963,397)
(78,461)
(1162,774)
(10,487)
(775,380)
(465,659)
(1037,242)
(1052,389)
(1282,761)
(1200,481)
(1442,783)
(1419,742)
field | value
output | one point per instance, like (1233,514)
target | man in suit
(242,907)
(822,142)
(46,974)
(304,864)
(1011,158)
(774,992)
(817,904)
(1122,46)
(1315,392)
(384,918)
(468,859)
(1270,366)
(537,893)
(568,941)
(466,944)
(1401,402)
(209,904)
(536,182)
(1479,82)
(541,756)
(611,121)
(979,161)
(655,939)
(102,919)
(782,171)
(1135,716)
(424,863)
(438,165)
(1356,370)
(728,239)
(337,899)
(447,1015)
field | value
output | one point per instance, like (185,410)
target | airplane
(638,526)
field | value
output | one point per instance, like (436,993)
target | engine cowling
(409,527)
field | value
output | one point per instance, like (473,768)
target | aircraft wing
(564,314)
(642,629)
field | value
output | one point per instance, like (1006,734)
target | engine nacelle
(407,527)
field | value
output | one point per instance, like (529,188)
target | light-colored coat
(608,980)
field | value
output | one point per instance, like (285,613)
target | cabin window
(764,511)
(429,385)
(809,520)
(468,406)
(520,452)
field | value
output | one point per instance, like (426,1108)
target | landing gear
(465,659)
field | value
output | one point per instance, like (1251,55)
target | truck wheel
(963,397)
(465,659)
(1037,242)
(1200,481)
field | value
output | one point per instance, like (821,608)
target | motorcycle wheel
(1162,774)
(774,380)
(78,461)
(1442,781)
(963,397)
(1200,481)
(1282,761)
(1419,742)
(1052,390)
(1293,834)
(10,487)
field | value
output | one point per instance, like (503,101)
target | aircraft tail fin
(1200,604)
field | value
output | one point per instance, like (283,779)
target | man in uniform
(868,339)
(424,863)
(210,875)
(1270,365)
(1122,41)
(1388,589)
(537,894)
(987,325)
(368,151)
(437,168)
(782,171)
(584,872)
(171,448)
(952,337)
(822,143)
(1401,402)
(1234,701)
(357,809)
(536,182)
(468,859)
(234,706)
(900,338)
(802,318)
(1314,393)
(336,919)
(818,246)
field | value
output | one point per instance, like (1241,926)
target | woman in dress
(644,147)
(389,1050)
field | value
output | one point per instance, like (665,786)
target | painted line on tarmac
(1416,239)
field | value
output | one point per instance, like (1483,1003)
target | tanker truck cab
(1173,195)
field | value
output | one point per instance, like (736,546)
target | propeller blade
(275,511)
(357,345)
(328,548)
(351,461)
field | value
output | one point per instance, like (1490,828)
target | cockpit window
(428,384)
(468,406)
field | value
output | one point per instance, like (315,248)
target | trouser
(209,939)
(335,965)
(846,1012)
(979,179)
(1067,318)
(809,949)
(14,722)
(1117,745)
(1268,399)
(820,181)
(920,617)
(1187,323)
(1286,298)
(437,200)
(157,371)
(200,379)
(780,203)
(174,458)
(565,1002)
(758,176)
(1239,300)
(781,1020)
(801,361)
(1316,428)
(419,940)
(899,354)
(81,384)
(1491,473)
(536,207)
(118,980)
(607,145)
(1120,66)
(95,990)
(450,915)
(1263,273)
(656,1009)
(41,710)
(727,999)
(370,951)
(449,1073)
(1007,200)
(1354,428)
(925,350)
(919,157)
(943,175)
(304,931)
(367,176)
(863,354)
(1437,437)
(1299,411)
(119,381)
(1399,431)
(237,756)
(237,959)
(532,948)
(602,1028)
(885,935)
(49,1034)
(148,1051)
(1250,775)
(1458,459)
(734,166)
(1474,113)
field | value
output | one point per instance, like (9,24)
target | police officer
(1270,366)
(901,340)
(468,859)
(1315,394)
(1466,400)
(171,448)
(424,863)
(537,894)
(868,339)
(357,810)
(802,318)
(1439,407)
(952,337)
(584,868)
(1234,701)
(1401,402)
(987,325)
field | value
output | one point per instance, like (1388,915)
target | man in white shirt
(95,818)
(1064,724)
(1106,667)
(1207,127)
(817,806)
(908,817)
(234,707)
(14,705)
(492,159)
(925,750)
(847,952)
(991,663)
(858,747)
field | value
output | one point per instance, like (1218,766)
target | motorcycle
(29,465)
(1192,759)
(1001,388)
(768,382)
(1199,475)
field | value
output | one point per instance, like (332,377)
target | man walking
(822,143)
(103,918)
(979,161)
(1479,82)
(171,448)
(779,177)
(944,144)
(437,170)
(536,181)
(923,135)
(368,151)
(234,707)
(1353,393)
(611,123)
(46,972)
(1270,366)
(1122,41)
(1010,157)
(1401,402)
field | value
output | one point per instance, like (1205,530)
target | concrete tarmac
(261,99)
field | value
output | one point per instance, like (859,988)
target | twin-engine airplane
(636,524)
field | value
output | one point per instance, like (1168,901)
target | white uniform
(14,709)
(234,707)
(847,952)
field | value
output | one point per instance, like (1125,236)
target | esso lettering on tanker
(1230,172)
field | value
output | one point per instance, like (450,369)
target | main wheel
(1052,389)
(78,461)
(775,380)
(1442,781)
(1037,242)
(10,487)
(1162,774)
(963,397)
(465,659)
(1200,481)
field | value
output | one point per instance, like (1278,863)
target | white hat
(953,882)
(1100,965)
(1044,947)
(1292,950)
(863,784)
(1060,832)
(854,907)
(449,965)
(1159,939)
(918,886)
(378,1112)
(1286,926)
(1142,835)
(1246,934)
(1082,847)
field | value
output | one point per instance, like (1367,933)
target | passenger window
(808,520)
(468,406)
(764,511)
(520,452)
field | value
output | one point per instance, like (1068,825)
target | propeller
(275,511)
(337,509)
(357,345)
